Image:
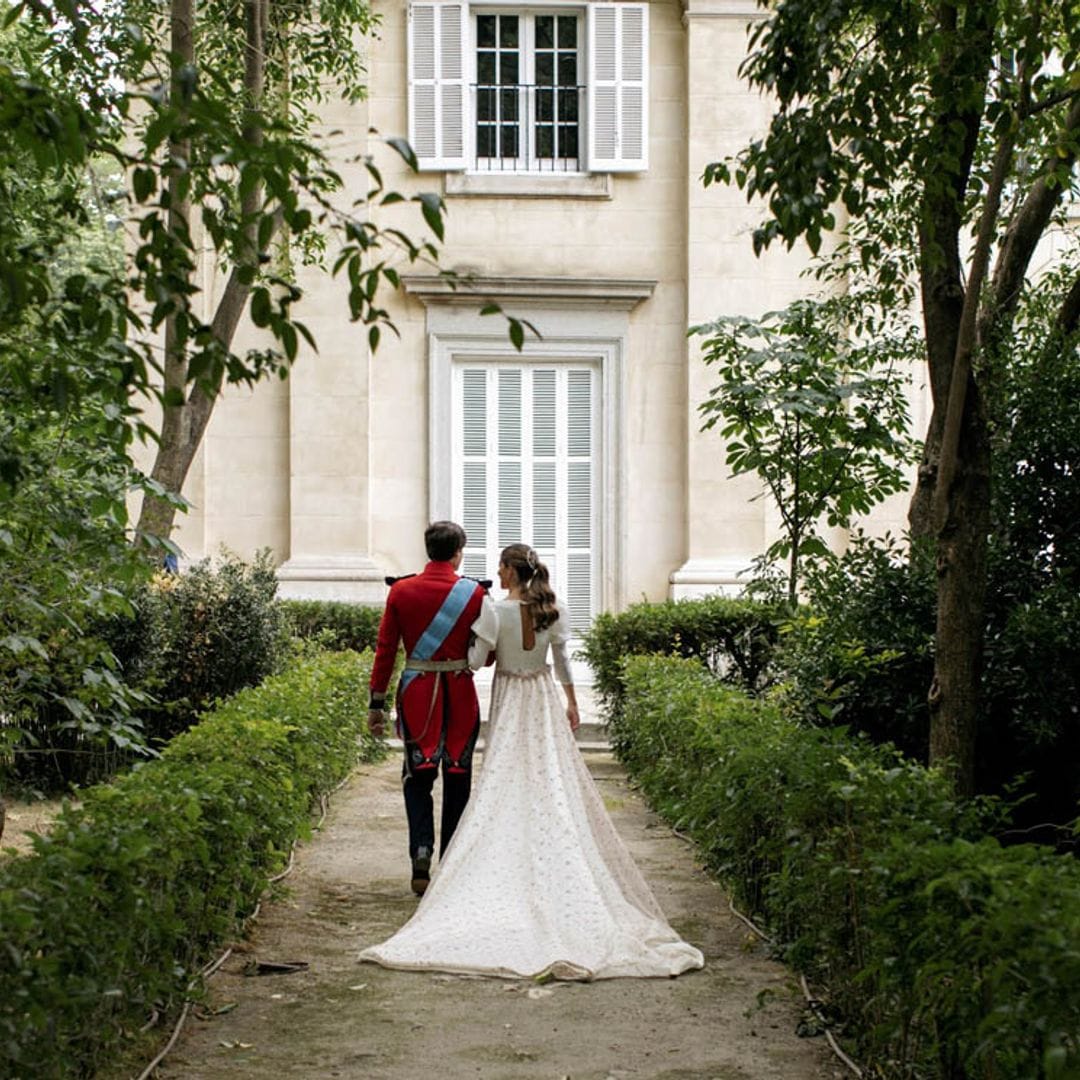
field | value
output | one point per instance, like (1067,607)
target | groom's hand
(376,722)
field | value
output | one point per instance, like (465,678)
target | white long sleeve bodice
(512,657)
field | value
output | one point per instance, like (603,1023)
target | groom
(433,614)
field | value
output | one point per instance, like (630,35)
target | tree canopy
(941,138)
(136,144)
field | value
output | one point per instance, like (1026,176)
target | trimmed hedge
(945,955)
(733,638)
(127,897)
(335,624)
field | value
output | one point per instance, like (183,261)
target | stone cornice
(722,9)
(560,292)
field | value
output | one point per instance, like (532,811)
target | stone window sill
(529,185)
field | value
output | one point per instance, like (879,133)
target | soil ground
(336,1017)
(26,816)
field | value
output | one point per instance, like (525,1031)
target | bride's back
(510,652)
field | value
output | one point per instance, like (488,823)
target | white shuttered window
(461,116)
(526,468)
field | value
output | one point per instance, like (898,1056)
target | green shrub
(336,624)
(733,638)
(124,900)
(943,953)
(180,642)
(218,629)
(860,650)
(861,654)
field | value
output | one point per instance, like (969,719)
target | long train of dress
(536,881)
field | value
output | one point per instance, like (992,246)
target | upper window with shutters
(534,89)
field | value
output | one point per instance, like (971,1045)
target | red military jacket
(430,698)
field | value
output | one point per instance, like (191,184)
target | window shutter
(580,505)
(618,87)
(474,485)
(525,444)
(438,36)
(509,442)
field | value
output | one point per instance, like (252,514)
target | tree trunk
(155,519)
(961,604)
(184,425)
(960,504)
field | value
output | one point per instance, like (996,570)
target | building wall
(333,468)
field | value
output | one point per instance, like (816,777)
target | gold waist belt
(436,665)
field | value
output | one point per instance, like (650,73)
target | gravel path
(336,1017)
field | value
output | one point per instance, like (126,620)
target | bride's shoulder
(507,608)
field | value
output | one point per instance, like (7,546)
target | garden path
(735,1020)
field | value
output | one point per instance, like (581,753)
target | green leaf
(260,307)
(405,150)
(517,334)
(143,183)
(432,208)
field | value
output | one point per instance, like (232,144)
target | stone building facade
(569,140)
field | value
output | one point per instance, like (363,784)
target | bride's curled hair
(535,584)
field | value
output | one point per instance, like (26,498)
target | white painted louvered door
(526,468)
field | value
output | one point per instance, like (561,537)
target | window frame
(613,127)
(563,550)
(529,164)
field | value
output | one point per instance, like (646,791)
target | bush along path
(294,1001)
(104,925)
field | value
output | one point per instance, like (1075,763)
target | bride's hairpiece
(531,559)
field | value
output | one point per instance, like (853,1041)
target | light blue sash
(445,620)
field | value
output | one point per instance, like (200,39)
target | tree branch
(1027,227)
(966,343)
(1068,317)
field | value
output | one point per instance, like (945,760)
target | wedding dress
(536,881)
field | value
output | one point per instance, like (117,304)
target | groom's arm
(386,647)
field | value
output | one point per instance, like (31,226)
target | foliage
(858,87)
(120,905)
(1033,642)
(94,134)
(859,652)
(822,419)
(64,431)
(942,953)
(733,638)
(214,629)
(950,135)
(171,648)
(335,624)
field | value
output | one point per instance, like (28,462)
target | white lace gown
(536,881)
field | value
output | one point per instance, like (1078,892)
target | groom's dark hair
(443,540)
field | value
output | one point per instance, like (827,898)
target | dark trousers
(420,806)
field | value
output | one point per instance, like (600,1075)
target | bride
(536,881)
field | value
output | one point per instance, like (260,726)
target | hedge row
(129,895)
(335,624)
(945,955)
(733,638)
